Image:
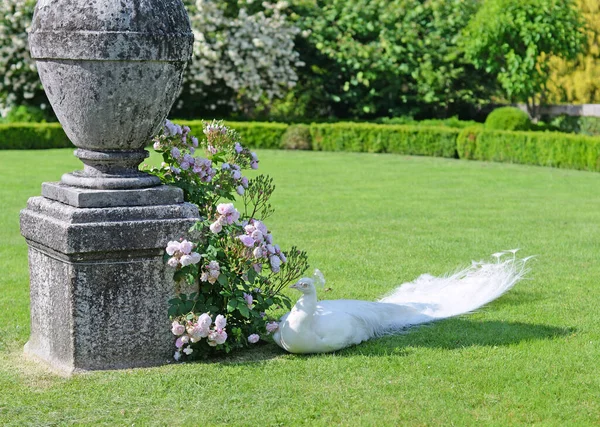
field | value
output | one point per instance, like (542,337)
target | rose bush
(231,262)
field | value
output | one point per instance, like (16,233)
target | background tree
(243,56)
(511,39)
(579,81)
(369,58)
(19,81)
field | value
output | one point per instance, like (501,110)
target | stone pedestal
(99,284)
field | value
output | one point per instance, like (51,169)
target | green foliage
(508,118)
(466,142)
(579,81)
(232,277)
(533,148)
(452,122)
(25,136)
(19,82)
(26,114)
(576,124)
(370,58)
(366,137)
(510,39)
(254,134)
(297,137)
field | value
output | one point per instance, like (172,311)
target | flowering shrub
(243,52)
(235,270)
(20,83)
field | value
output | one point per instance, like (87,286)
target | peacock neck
(307,303)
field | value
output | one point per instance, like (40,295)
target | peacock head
(306,285)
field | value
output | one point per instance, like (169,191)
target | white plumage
(323,326)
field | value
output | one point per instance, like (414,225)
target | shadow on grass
(449,334)
(458,333)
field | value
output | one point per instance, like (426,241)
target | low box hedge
(375,138)
(534,148)
(531,148)
(254,134)
(27,136)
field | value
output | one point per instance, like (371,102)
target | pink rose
(172,247)
(257,235)
(193,258)
(216,227)
(253,339)
(185,247)
(221,337)
(204,321)
(220,322)
(272,327)
(260,226)
(177,328)
(249,299)
(248,241)
(275,263)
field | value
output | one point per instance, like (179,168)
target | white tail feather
(463,291)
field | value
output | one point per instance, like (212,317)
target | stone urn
(99,287)
(111,70)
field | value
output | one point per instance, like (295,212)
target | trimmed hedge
(254,134)
(531,148)
(26,136)
(478,143)
(296,137)
(373,138)
(508,118)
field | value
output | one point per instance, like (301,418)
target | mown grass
(369,223)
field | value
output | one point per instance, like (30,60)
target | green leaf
(223,280)
(251,275)
(244,311)
(232,305)
(174,301)
(188,306)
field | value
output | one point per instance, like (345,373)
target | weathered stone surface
(87,198)
(111,70)
(99,284)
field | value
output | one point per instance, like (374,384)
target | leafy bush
(366,137)
(533,148)
(466,142)
(232,266)
(369,58)
(254,134)
(576,124)
(511,40)
(25,136)
(20,83)
(27,114)
(508,118)
(243,53)
(452,122)
(297,137)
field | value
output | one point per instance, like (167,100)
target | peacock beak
(294,286)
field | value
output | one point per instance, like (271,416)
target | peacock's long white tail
(462,292)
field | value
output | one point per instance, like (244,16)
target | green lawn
(369,222)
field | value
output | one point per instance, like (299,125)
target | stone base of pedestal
(99,284)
